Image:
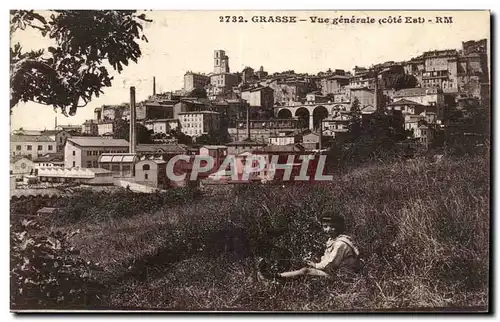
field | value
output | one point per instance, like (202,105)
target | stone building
(31,145)
(84,152)
(195,80)
(259,96)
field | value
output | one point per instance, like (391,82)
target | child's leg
(304,271)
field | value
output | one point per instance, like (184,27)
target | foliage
(198,93)
(401,81)
(467,129)
(46,272)
(70,72)
(372,138)
(181,137)
(121,130)
(354,126)
(422,249)
(94,206)
(214,138)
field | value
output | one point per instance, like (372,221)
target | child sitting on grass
(339,252)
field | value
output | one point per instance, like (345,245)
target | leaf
(55,243)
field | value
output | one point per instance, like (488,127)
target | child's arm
(333,256)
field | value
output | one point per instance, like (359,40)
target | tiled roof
(51,132)
(404,102)
(213,147)
(117,157)
(16,158)
(50,157)
(47,210)
(199,112)
(95,141)
(27,132)
(283,148)
(161,120)
(245,143)
(154,160)
(98,170)
(417,91)
(70,126)
(154,148)
(30,138)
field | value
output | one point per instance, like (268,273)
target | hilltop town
(250,111)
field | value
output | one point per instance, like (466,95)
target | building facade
(152,173)
(221,62)
(84,152)
(31,145)
(196,124)
(259,97)
(21,166)
(59,136)
(430,97)
(90,127)
(105,128)
(162,125)
(194,80)
(365,96)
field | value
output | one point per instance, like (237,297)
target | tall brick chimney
(132,136)
(154,85)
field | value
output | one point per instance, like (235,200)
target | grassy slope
(422,228)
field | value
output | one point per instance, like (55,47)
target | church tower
(221,62)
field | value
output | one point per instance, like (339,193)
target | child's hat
(335,221)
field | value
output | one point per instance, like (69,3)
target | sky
(181,41)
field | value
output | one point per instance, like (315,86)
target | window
(89,153)
(94,163)
(40,148)
(89,164)
(60,139)
(74,153)
(50,147)
(145,167)
(18,147)
(28,147)
(146,176)
(74,164)
(94,152)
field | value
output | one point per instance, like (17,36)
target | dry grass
(422,228)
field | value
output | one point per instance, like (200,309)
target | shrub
(46,272)
(97,206)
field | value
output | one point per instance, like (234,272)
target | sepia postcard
(250,161)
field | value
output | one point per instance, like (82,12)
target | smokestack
(248,122)
(154,85)
(55,123)
(132,136)
(320,134)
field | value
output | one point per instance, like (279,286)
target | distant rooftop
(417,91)
(199,112)
(95,141)
(30,138)
(404,102)
(160,148)
(117,157)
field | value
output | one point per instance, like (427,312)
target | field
(422,228)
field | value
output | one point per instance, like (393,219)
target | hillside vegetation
(422,229)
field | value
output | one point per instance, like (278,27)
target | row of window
(194,125)
(97,153)
(194,132)
(192,117)
(39,147)
(92,164)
